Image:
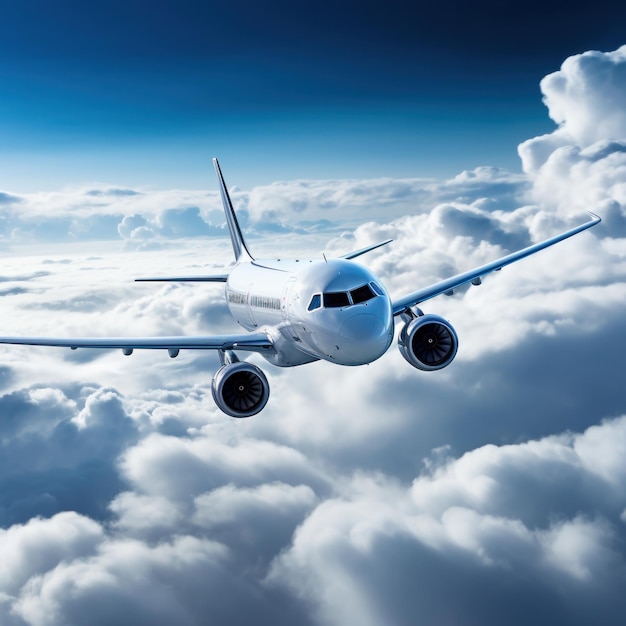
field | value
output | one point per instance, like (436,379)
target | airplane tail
(236,236)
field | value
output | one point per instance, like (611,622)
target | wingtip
(596,218)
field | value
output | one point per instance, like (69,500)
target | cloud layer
(490,492)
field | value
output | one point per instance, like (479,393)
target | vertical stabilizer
(239,245)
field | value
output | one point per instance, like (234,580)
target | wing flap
(475,275)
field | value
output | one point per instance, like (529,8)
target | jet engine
(428,342)
(240,389)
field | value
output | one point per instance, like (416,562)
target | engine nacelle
(240,389)
(428,342)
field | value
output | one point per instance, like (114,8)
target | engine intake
(428,342)
(240,389)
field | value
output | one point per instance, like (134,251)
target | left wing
(474,276)
(214,278)
(252,342)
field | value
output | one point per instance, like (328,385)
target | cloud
(59,450)
(40,545)
(510,515)
(285,207)
(586,96)
(354,201)
(128,582)
(7,198)
(106,214)
(582,164)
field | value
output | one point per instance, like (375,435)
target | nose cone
(363,338)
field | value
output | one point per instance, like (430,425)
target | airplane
(300,311)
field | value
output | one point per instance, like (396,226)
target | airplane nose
(363,338)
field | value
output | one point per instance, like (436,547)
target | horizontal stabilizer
(356,253)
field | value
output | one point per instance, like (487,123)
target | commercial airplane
(297,311)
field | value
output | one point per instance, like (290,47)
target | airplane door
(287,299)
(249,307)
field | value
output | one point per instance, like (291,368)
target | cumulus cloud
(59,448)
(511,515)
(582,164)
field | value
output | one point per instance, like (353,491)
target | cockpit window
(316,302)
(377,289)
(335,299)
(362,294)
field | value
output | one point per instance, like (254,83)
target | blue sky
(144,94)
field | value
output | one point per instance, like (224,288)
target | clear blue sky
(142,93)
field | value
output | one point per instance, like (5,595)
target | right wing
(474,276)
(252,342)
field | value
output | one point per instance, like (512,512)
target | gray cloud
(7,198)
(59,449)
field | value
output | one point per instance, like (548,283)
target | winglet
(236,236)
(597,219)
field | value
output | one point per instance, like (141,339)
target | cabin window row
(265,302)
(258,302)
(236,297)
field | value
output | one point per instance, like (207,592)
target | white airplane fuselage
(337,310)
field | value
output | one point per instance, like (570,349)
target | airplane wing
(474,276)
(215,278)
(252,342)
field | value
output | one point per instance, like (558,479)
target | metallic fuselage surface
(275,296)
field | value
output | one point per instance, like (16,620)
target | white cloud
(229,504)
(582,164)
(125,582)
(40,545)
(586,96)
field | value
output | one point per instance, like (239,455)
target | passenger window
(316,302)
(362,294)
(336,299)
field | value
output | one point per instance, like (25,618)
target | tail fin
(236,237)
